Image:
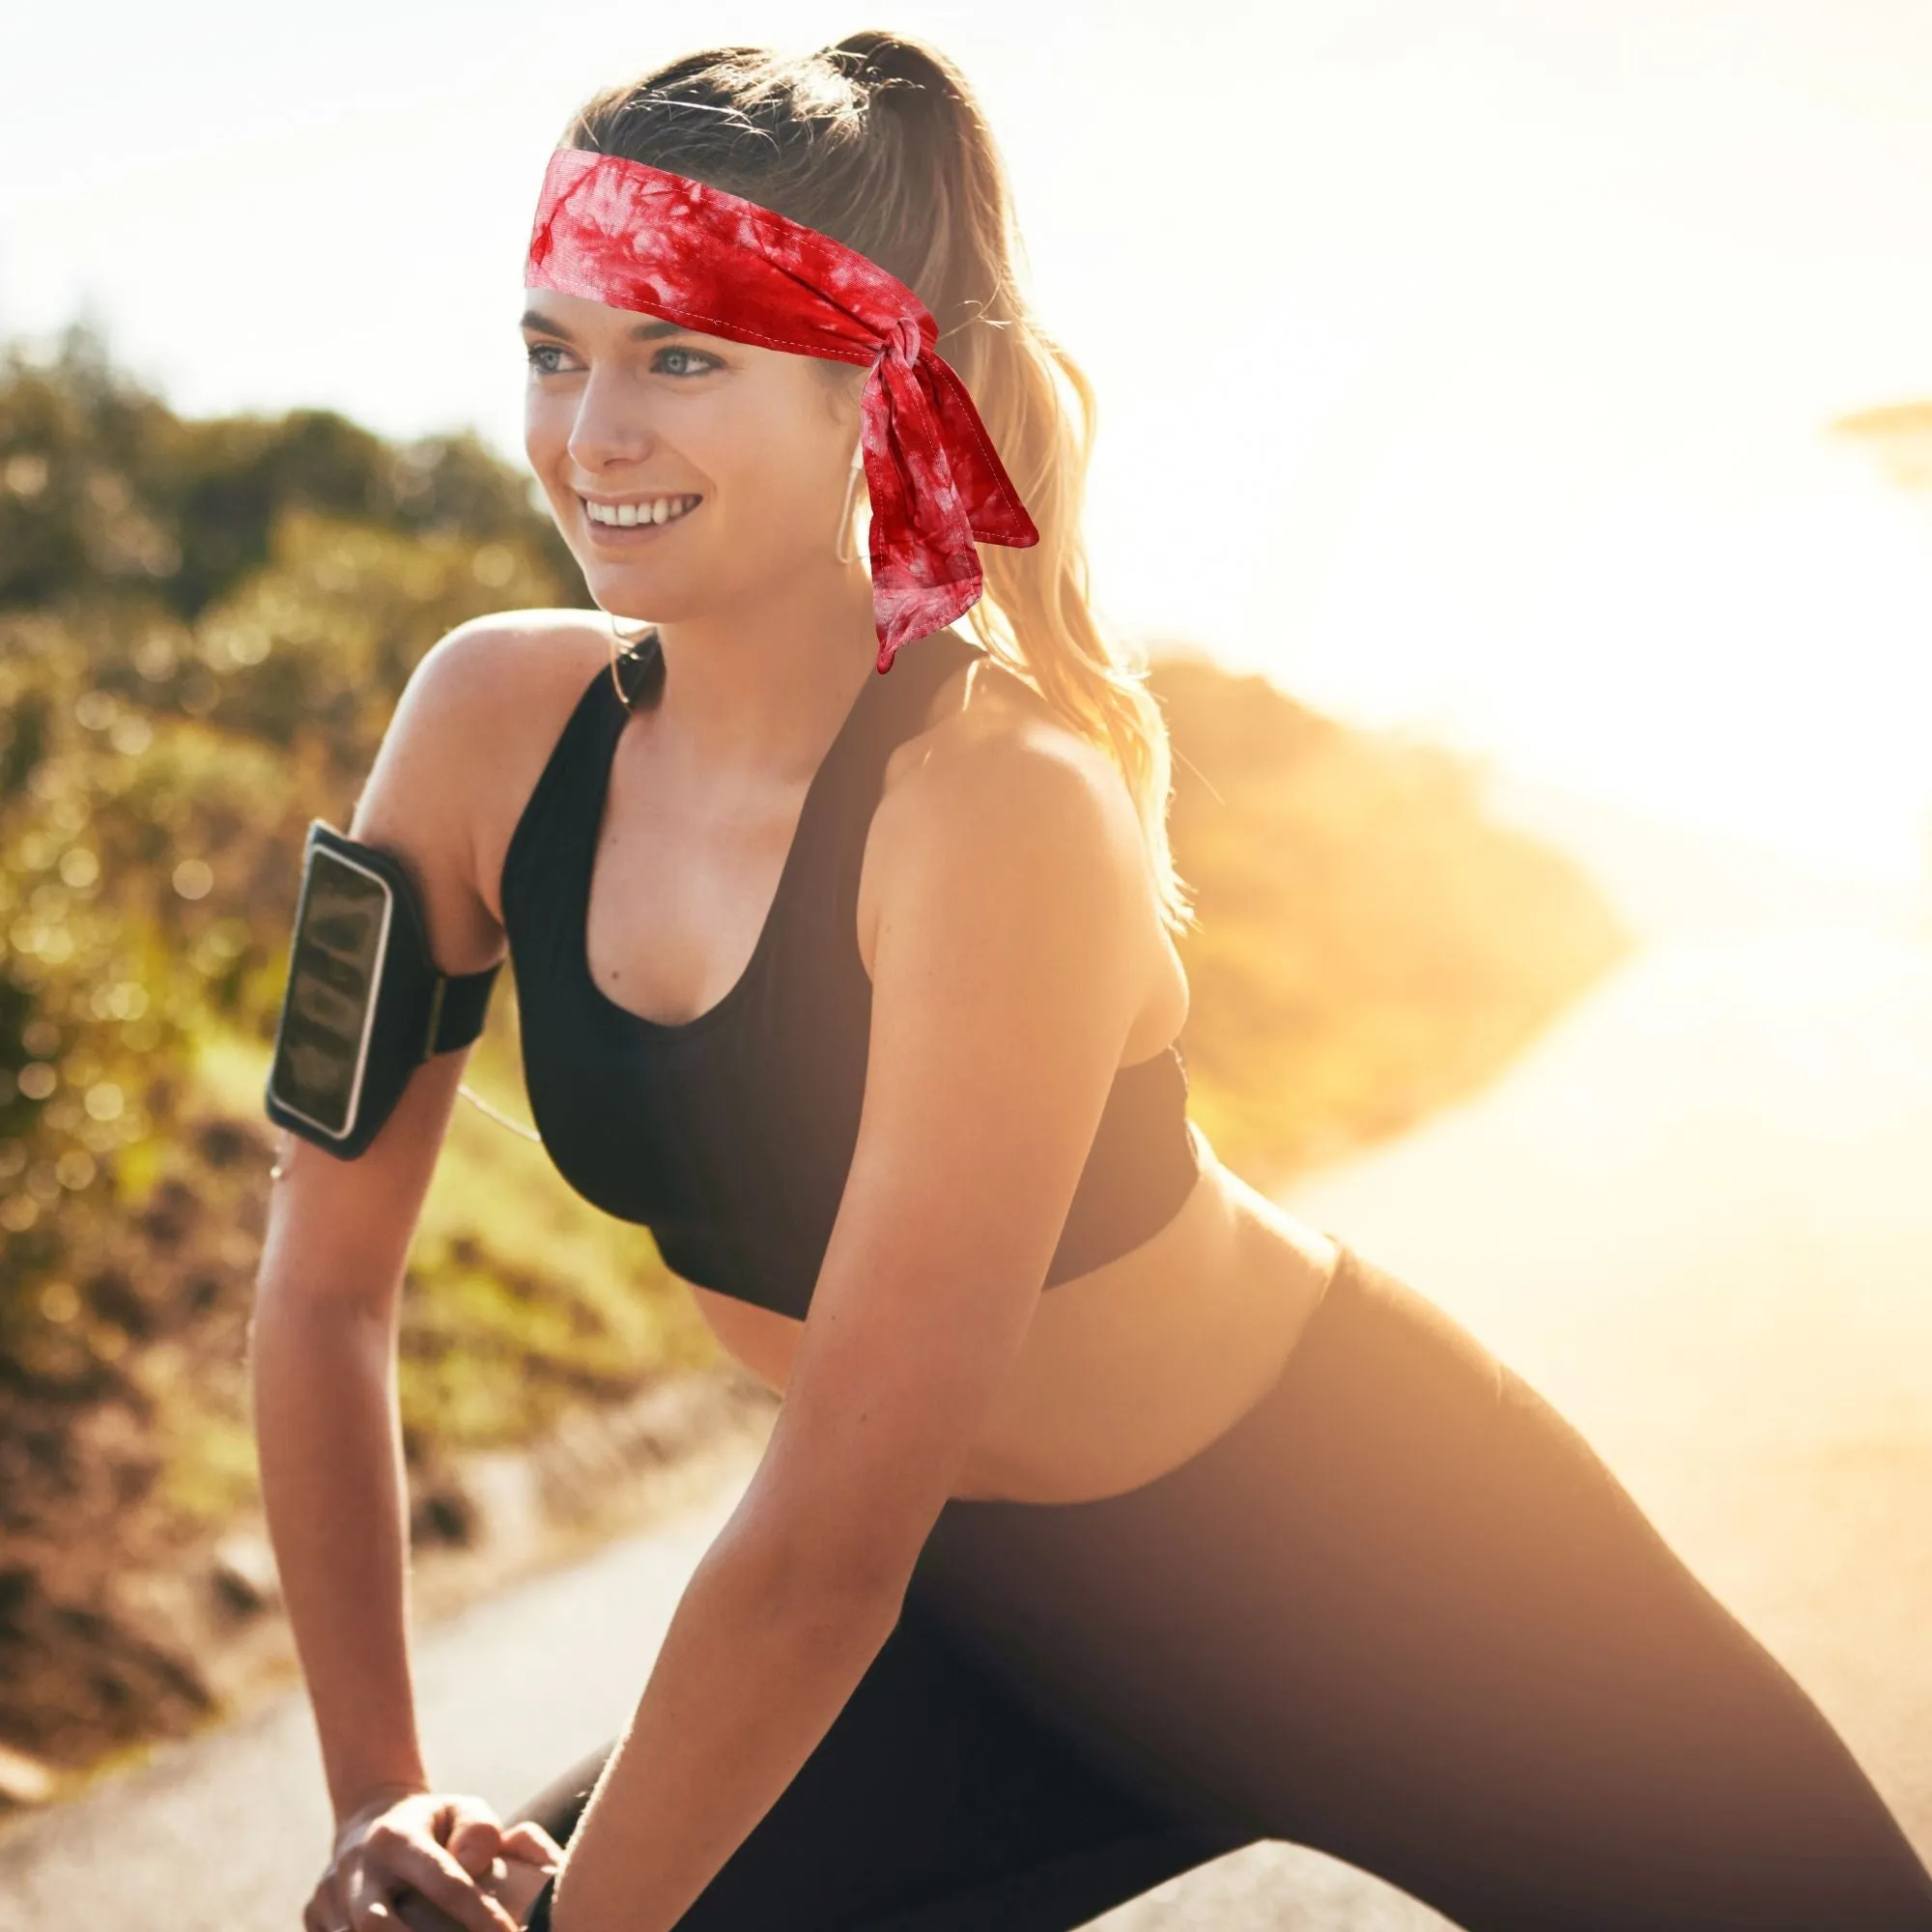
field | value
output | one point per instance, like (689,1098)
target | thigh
(1404,1614)
(1620,1748)
(1587,1736)
(936,1803)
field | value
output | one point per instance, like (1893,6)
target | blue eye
(537,349)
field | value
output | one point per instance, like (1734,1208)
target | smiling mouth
(638,518)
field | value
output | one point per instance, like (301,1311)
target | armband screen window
(342,935)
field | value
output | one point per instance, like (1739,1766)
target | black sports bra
(729,1135)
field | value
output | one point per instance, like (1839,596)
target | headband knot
(633,237)
(908,342)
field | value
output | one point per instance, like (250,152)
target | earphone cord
(515,1126)
(276,1172)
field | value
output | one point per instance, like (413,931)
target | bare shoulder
(462,751)
(493,669)
(990,769)
(1018,764)
(534,666)
(987,732)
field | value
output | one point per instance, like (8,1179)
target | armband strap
(365,1004)
(458,1003)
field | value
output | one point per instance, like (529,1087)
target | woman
(1113,1518)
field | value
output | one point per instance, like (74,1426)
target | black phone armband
(366,1002)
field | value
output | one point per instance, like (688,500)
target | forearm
(329,1443)
(750,1675)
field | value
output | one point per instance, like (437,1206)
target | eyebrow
(645,331)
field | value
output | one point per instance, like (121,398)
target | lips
(639,532)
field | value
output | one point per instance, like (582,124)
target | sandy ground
(1696,1217)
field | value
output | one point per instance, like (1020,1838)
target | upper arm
(342,1229)
(1004,983)
(419,800)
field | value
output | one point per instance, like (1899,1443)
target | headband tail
(992,505)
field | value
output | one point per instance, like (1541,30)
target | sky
(1466,366)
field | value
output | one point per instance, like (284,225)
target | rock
(24,1779)
(443,1514)
(502,1484)
(244,1572)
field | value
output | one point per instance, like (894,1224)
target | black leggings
(1399,1612)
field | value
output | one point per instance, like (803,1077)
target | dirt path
(228,1832)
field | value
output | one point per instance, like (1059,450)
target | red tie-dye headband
(618,232)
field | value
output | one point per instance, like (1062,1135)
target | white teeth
(627,515)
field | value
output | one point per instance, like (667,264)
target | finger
(419,1914)
(476,1844)
(429,1869)
(324,1911)
(533,1843)
(366,1890)
(460,1809)
(471,1826)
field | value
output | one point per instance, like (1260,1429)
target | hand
(440,1862)
(530,1855)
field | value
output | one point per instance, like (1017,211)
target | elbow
(838,1525)
(841,1586)
(818,1575)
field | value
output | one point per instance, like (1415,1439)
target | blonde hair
(879,142)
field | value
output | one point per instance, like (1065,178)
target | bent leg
(560,1802)
(1401,1613)
(935,1802)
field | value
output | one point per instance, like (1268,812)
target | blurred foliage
(203,630)
(105,490)
(1371,947)
(101,954)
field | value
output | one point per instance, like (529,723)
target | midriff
(1132,1368)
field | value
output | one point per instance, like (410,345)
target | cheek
(769,473)
(546,431)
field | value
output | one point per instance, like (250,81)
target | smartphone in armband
(365,1004)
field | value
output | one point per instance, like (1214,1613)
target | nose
(609,427)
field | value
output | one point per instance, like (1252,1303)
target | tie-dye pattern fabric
(629,235)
